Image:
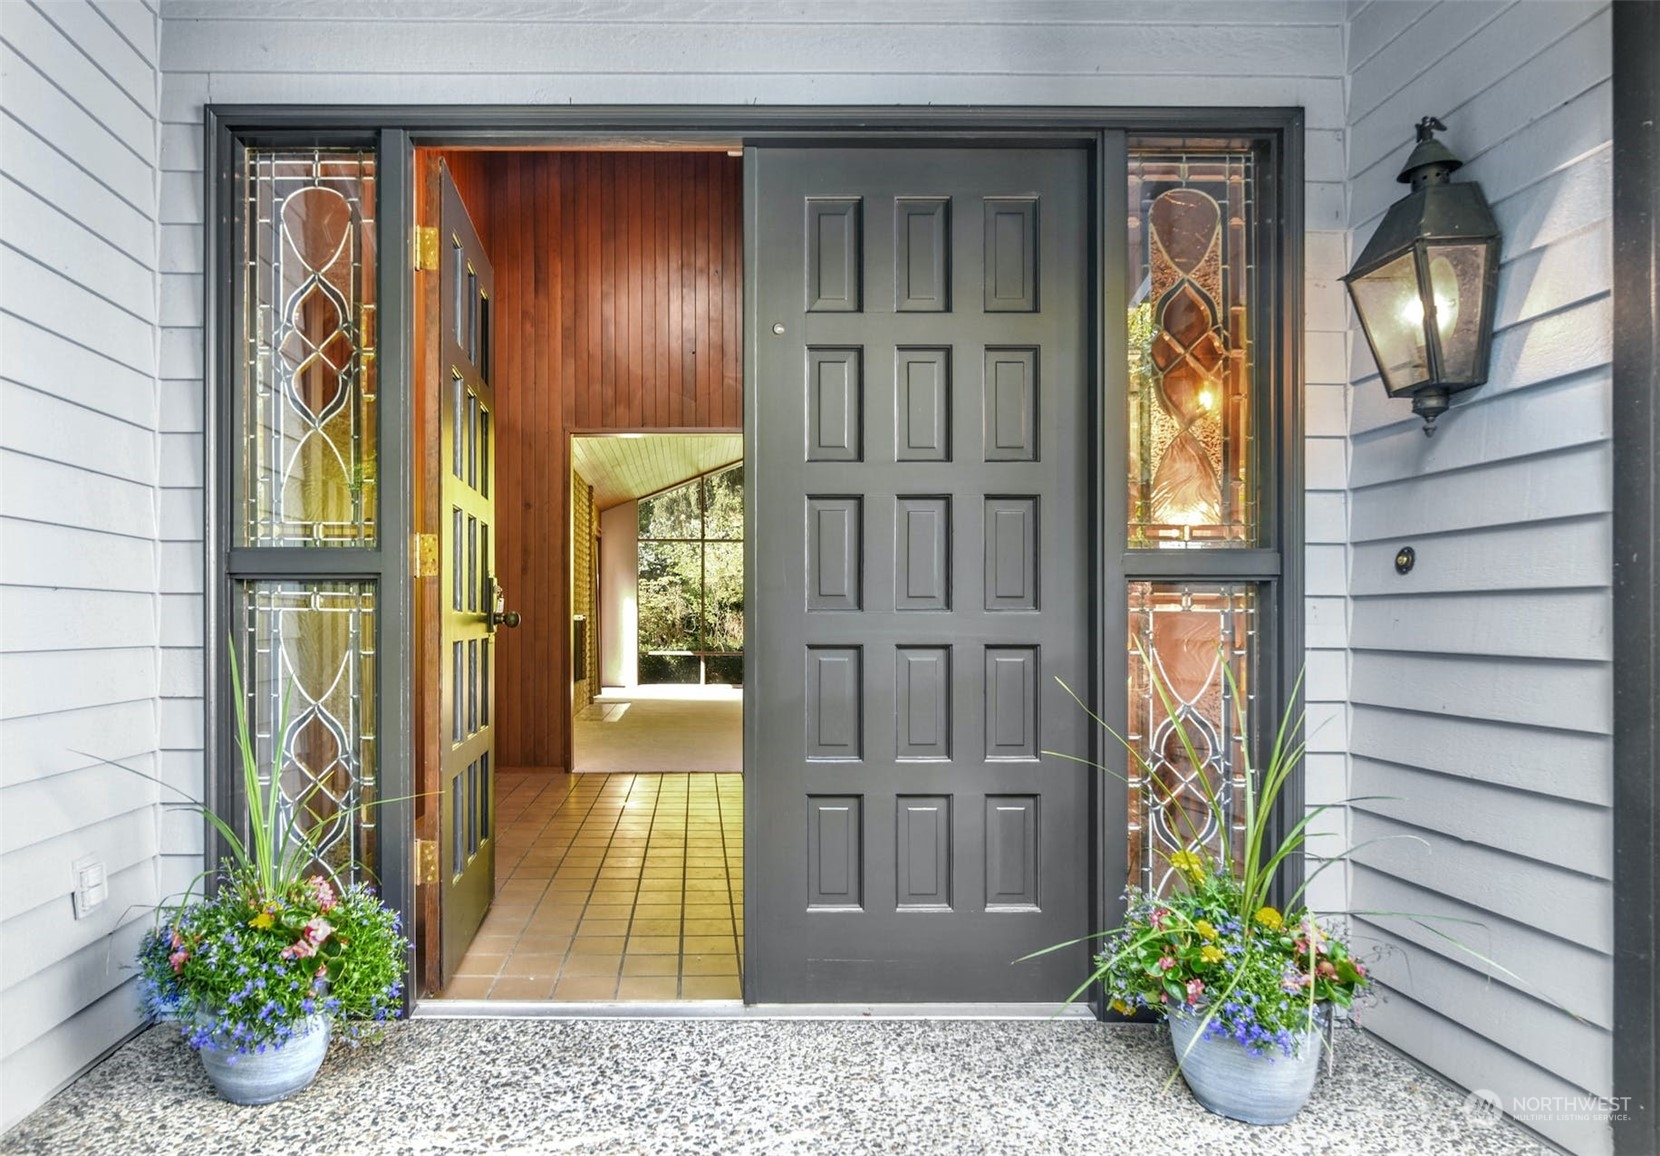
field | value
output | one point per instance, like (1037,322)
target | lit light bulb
(1446,314)
(1207,400)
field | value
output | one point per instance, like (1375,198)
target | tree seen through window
(691,581)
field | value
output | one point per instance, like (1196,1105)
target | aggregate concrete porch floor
(749,1086)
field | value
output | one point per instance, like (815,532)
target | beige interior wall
(584,575)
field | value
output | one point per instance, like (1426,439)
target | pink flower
(1166,963)
(312,935)
(177,958)
(1195,989)
(1158,917)
(323,892)
(1326,969)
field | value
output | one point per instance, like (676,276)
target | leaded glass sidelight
(311,646)
(307,469)
(1192,460)
(1192,635)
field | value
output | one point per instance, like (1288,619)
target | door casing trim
(398,129)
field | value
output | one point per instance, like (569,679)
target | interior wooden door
(920,337)
(471,602)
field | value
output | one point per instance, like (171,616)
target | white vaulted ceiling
(622,467)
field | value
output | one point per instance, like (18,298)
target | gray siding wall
(84,520)
(137,692)
(1014,52)
(1482,680)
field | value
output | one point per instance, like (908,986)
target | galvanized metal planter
(1230,1080)
(271,1075)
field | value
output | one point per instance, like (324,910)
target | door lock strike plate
(426,861)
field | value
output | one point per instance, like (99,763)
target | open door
(471,603)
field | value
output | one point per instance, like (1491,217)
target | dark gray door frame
(1277,133)
(1636,431)
(224,148)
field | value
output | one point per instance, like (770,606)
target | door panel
(466,847)
(921,520)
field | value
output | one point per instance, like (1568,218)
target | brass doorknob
(507,618)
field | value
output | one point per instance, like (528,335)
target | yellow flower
(1270,918)
(1189,863)
(263,920)
(1120,1007)
(1211,953)
(1204,928)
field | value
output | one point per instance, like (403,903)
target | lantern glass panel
(1393,314)
(1457,274)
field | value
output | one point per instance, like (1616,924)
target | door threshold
(720,1009)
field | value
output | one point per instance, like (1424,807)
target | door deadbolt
(498,614)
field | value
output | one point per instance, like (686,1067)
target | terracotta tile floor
(612,887)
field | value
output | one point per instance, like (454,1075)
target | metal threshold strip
(717,1009)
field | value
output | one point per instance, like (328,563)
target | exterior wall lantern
(1426,282)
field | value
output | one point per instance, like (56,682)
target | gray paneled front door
(920,521)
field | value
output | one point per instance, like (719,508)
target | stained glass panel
(1193,634)
(307,474)
(313,643)
(1192,468)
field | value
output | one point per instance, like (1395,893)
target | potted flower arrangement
(257,973)
(1245,987)
(1245,991)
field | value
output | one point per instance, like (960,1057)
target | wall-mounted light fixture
(1425,284)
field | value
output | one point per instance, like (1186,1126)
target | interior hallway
(612,887)
(668,729)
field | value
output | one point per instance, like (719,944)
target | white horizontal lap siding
(1481,682)
(80,527)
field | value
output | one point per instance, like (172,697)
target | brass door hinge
(423,555)
(426,861)
(423,247)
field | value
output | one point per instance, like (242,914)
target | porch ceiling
(622,467)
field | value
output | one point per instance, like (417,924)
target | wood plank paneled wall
(620,307)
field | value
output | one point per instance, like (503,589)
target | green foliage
(669,592)
(1259,978)
(275,943)
(1263,977)
(1215,946)
(242,970)
(691,569)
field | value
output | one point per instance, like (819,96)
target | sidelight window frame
(230,563)
(1272,563)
